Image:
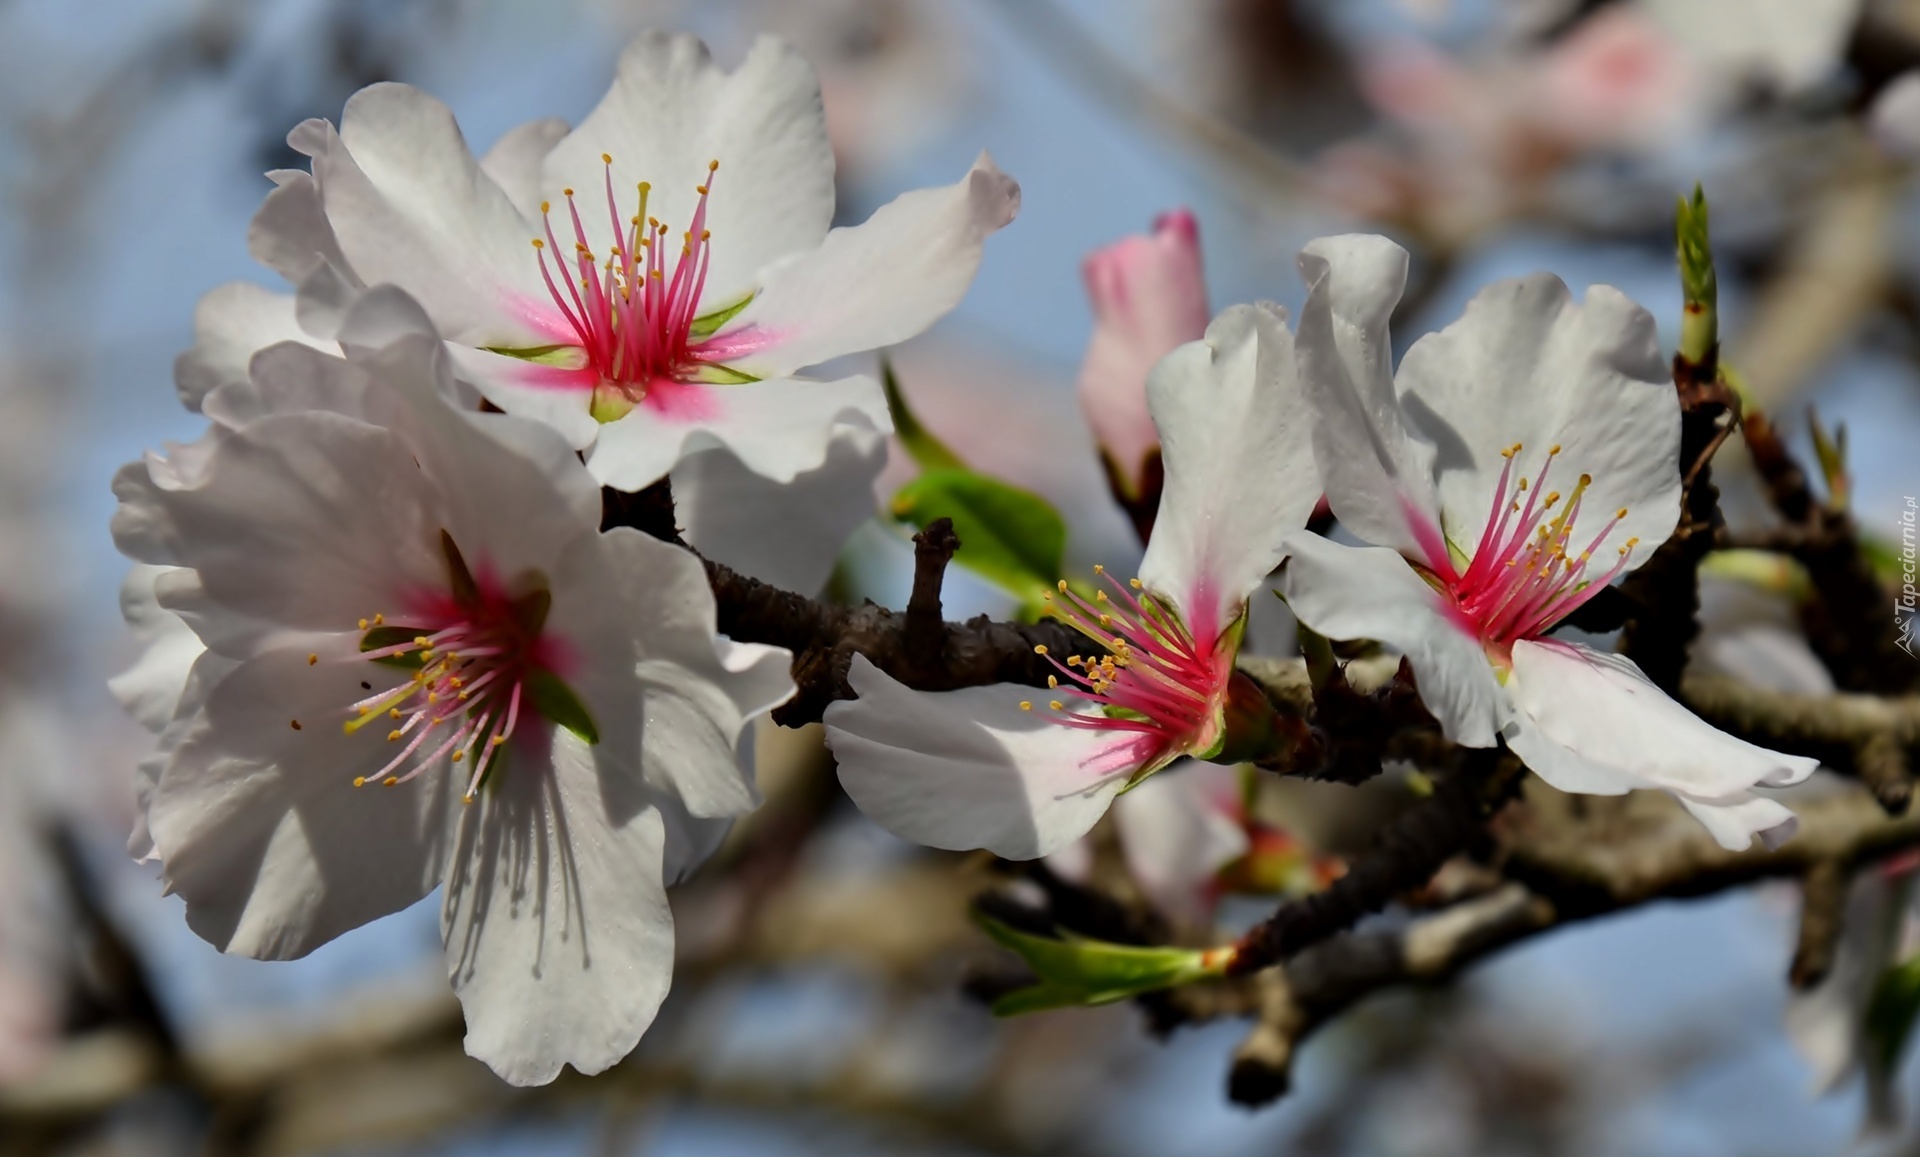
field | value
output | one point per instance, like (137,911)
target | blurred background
(818,1005)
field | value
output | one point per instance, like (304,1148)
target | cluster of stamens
(632,315)
(1527,573)
(463,698)
(1155,680)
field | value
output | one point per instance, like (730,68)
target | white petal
(559,939)
(290,233)
(875,284)
(411,207)
(691,694)
(670,111)
(1375,469)
(1346,592)
(777,429)
(1593,722)
(515,161)
(1527,364)
(259,824)
(150,688)
(1737,819)
(1177,830)
(1240,477)
(230,325)
(787,534)
(969,769)
(531,391)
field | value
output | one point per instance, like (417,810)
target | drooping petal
(687,696)
(1177,831)
(1148,297)
(1375,469)
(1346,592)
(777,429)
(230,325)
(411,207)
(788,534)
(559,939)
(516,160)
(1590,721)
(258,822)
(1528,365)
(876,284)
(669,113)
(150,688)
(1240,477)
(1736,820)
(970,769)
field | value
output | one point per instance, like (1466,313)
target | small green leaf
(557,702)
(1891,1012)
(1011,537)
(1075,970)
(1700,317)
(708,324)
(920,443)
(1831,450)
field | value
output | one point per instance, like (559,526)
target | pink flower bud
(1148,297)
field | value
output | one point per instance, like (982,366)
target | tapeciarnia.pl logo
(1904,606)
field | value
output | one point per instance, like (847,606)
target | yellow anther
(1062,585)
(713,166)
(392,736)
(498,740)
(1098,569)
(1026,705)
(606,158)
(1620,513)
(394,713)
(1099,596)
(1516,448)
(1633,542)
(1074,660)
(312,659)
(539,244)
(706,234)
(1523,484)
(700,189)
(467,798)
(390,780)
(359,781)
(379,620)
(566,192)
(1508,453)
(1053,681)
(1106,620)
(363,624)
(458,756)
(546,206)
(1134,583)
(1552,498)
(464,696)
(1554,449)
(366,711)
(1057,705)
(419,640)
(1040,649)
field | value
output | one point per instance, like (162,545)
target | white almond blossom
(425,665)
(987,767)
(651,282)
(1521,459)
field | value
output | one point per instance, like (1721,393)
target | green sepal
(380,638)
(1831,450)
(715,374)
(1011,537)
(708,324)
(566,357)
(1075,971)
(554,700)
(918,441)
(529,611)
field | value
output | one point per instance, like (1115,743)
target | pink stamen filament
(1524,576)
(1154,670)
(631,318)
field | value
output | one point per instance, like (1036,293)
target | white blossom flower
(981,767)
(651,282)
(425,665)
(1515,448)
(1149,297)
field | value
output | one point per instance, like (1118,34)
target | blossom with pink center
(651,282)
(402,656)
(1149,297)
(1023,773)
(1521,459)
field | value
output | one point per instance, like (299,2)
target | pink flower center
(635,312)
(1157,683)
(1528,571)
(475,655)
